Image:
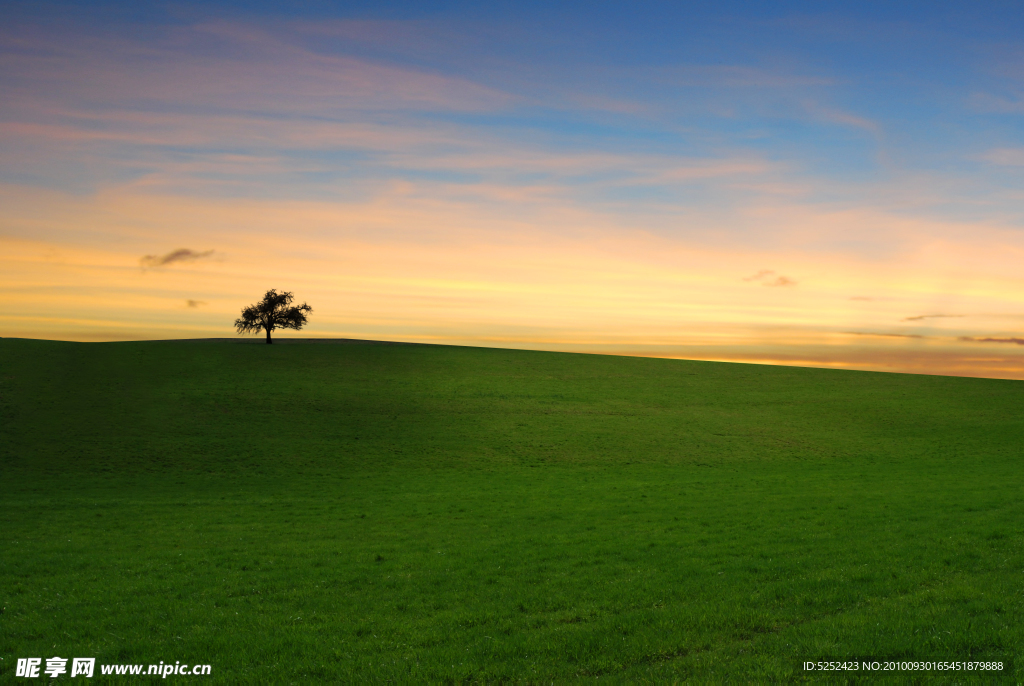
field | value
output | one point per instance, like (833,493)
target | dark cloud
(887,335)
(969,339)
(179,255)
(760,275)
(194,303)
(929,316)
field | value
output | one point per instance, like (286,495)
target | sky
(830,184)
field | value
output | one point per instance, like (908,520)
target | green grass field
(354,512)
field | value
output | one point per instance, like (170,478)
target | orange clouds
(402,266)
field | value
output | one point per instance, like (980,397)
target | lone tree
(273,312)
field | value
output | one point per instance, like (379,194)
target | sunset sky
(812,183)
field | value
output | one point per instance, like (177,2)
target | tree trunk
(269,342)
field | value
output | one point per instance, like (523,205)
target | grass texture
(309,512)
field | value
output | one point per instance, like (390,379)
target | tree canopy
(275,311)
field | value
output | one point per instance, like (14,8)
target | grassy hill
(318,512)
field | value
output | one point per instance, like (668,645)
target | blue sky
(874,148)
(856,92)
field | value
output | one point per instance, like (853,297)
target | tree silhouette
(273,312)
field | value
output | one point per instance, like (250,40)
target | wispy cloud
(885,335)
(988,102)
(970,339)
(1005,157)
(835,115)
(237,66)
(194,303)
(738,76)
(919,317)
(764,278)
(179,255)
